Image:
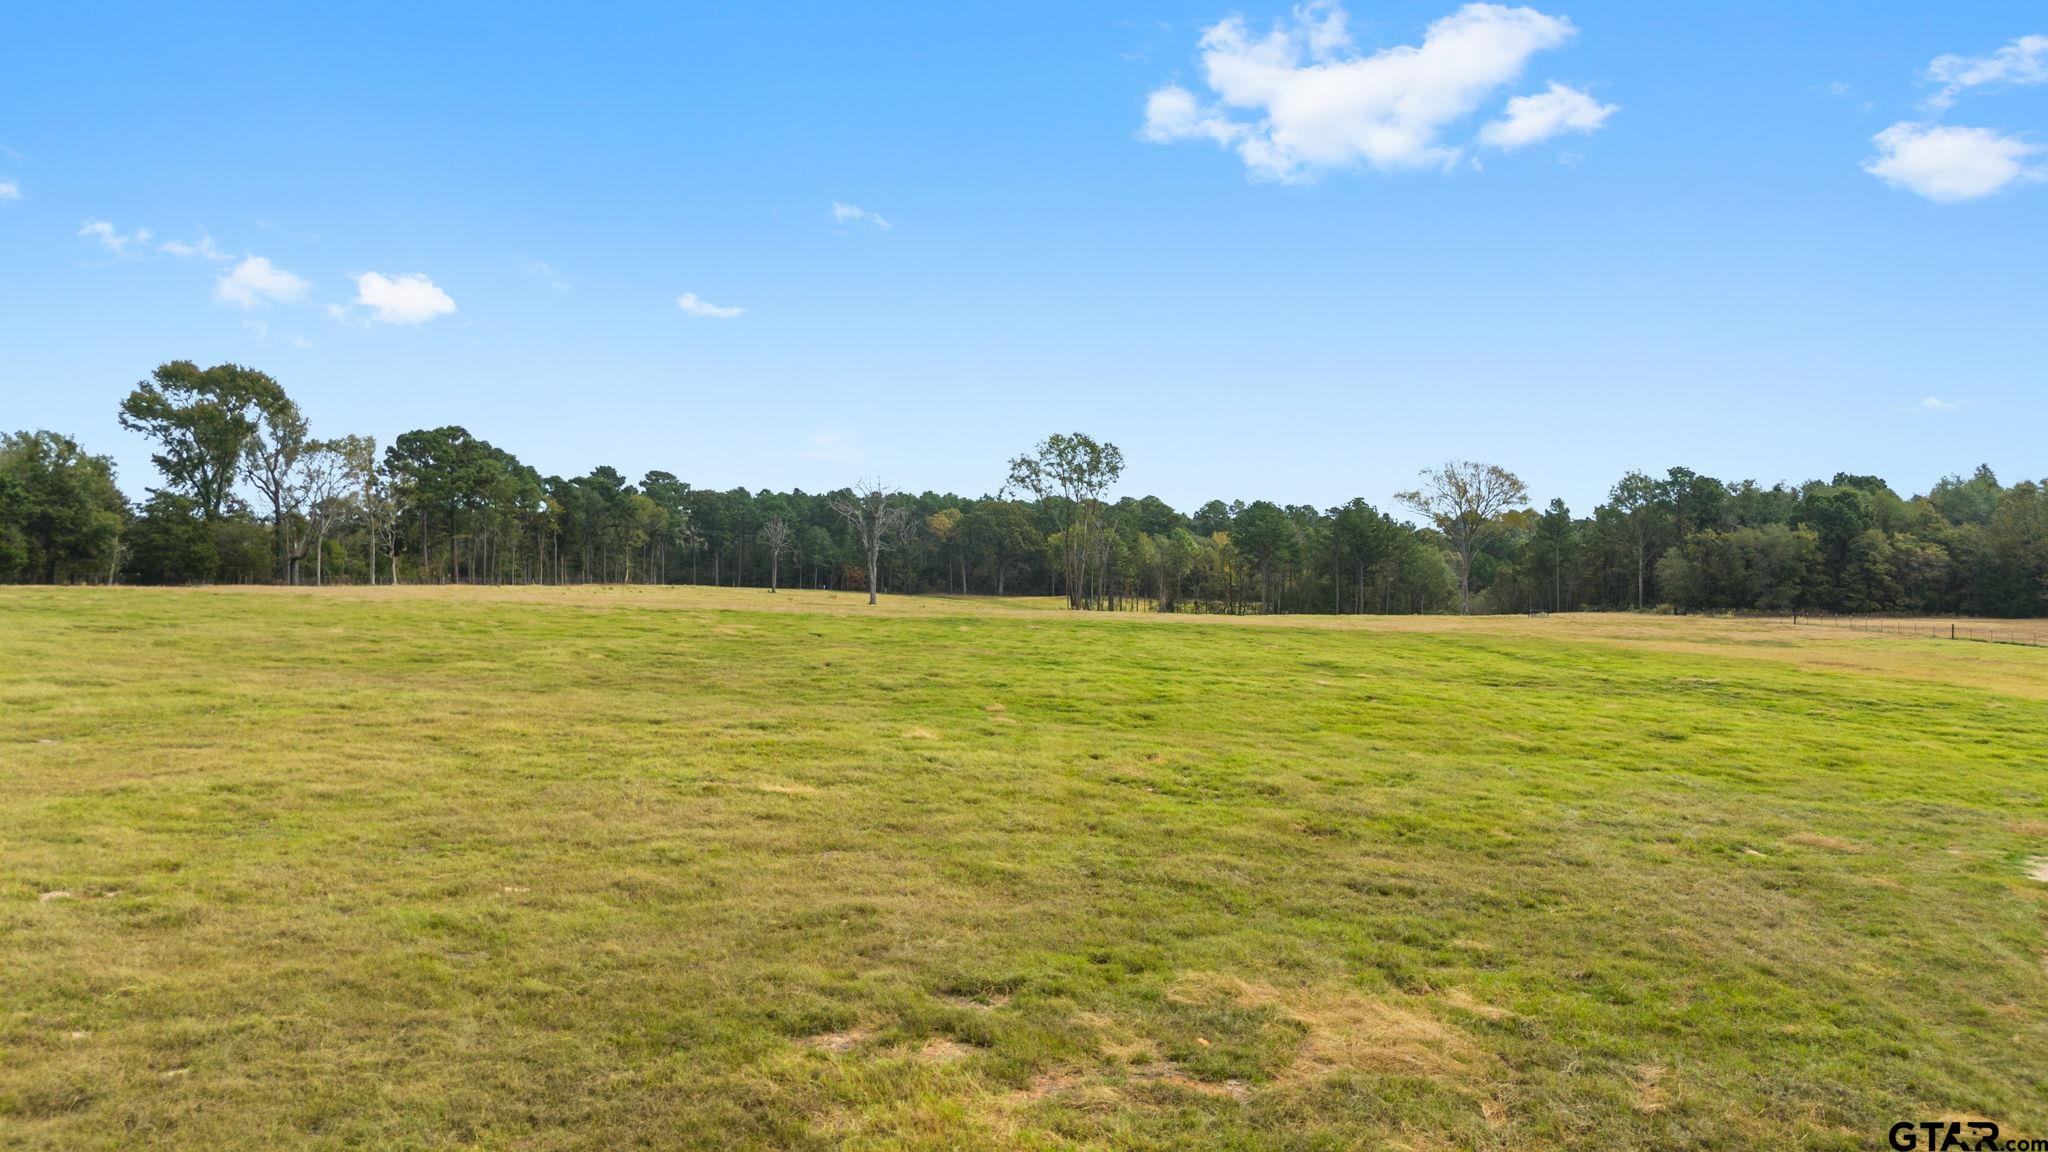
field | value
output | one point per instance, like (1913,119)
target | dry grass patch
(1169,1076)
(1459,998)
(844,1041)
(1347,1030)
(1651,1094)
(1117,1042)
(1826,843)
(944,1050)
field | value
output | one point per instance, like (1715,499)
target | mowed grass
(690,868)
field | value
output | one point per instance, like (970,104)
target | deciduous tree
(1464,499)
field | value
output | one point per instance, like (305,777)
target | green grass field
(694,868)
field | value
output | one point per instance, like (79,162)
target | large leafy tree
(201,420)
(272,456)
(1072,472)
(1003,533)
(1263,534)
(61,514)
(1465,500)
(1641,504)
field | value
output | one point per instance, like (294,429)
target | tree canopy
(251,493)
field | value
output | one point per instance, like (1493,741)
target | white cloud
(696,305)
(9,190)
(203,248)
(542,271)
(1937,404)
(410,298)
(2024,61)
(111,239)
(1534,119)
(1301,98)
(1950,164)
(255,282)
(854,214)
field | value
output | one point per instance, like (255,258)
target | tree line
(249,494)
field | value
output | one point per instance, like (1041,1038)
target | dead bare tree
(1464,500)
(875,520)
(780,538)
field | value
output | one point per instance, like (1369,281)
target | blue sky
(1271,252)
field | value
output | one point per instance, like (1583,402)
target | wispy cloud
(112,239)
(696,305)
(2022,62)
(256,282)
(855,214)
(1934,404)
(542,271)
(9,190)
(203,249)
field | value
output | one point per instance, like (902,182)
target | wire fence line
(2030,633)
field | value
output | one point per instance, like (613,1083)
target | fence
(2032,633)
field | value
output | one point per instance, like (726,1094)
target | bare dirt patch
(920,734)
(1049,1083)
(2037,869)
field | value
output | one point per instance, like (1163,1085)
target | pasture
(696,868)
